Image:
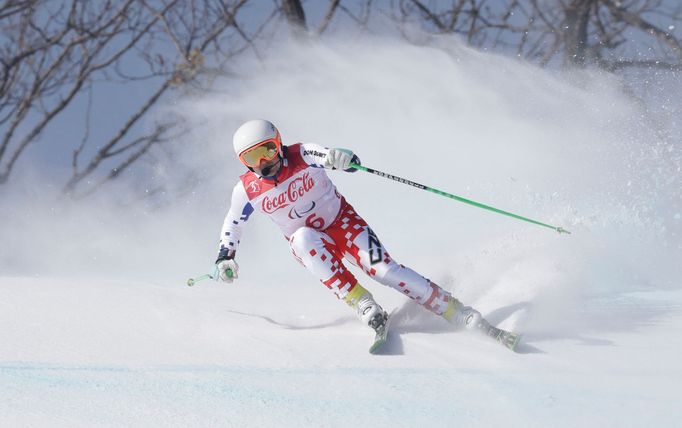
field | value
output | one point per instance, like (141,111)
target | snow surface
(108,353)
(98,327)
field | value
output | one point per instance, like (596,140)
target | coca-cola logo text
(296,189)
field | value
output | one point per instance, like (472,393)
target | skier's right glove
(340,159)
(228,269)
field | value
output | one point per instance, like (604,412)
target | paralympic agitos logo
(296,189)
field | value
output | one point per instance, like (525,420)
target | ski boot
(463,316)
(470,319)
(368,311)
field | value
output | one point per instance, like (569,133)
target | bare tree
(293,11)
(52,52)
(612,34)
(194,30)
(56,54)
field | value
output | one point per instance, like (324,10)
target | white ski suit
(322,228)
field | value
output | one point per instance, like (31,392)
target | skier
(290,185)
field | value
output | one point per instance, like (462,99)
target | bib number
(314,221)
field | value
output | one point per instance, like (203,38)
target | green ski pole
(214,275)
(192,281)
(455,197)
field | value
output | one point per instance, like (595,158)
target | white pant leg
(360,245)
(316,251)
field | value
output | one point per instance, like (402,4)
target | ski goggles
(267,150)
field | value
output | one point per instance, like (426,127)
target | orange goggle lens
(267,150)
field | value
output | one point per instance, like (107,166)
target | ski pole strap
(455,197)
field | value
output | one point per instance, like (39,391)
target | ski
(381,335)
(506,338)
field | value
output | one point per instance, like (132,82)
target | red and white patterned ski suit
(322,228)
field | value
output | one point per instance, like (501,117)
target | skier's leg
(317,252)
(362,247)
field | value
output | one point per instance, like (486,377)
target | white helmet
(254,132)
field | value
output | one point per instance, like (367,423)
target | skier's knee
(303,238)
(386,273)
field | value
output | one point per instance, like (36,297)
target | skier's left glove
(341,159)
(227,267)
(228,271)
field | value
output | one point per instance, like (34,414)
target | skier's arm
(334,158)
(231,232)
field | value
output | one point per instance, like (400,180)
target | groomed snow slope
(107,353)
(97,326)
